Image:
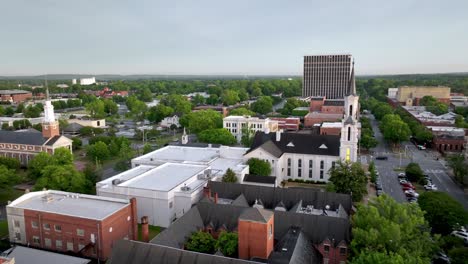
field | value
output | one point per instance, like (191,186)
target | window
(80,247)
(333,164)
(46,226)
(299,163)
(342,251)
(79,232)
(289,171)
(36,240)
(349,133)
(17,235)
(289,166)
(326,248)
(170,204)
(272,161)
(310,168)
(299,172)
(58,244)
(321,174)
(16,223)
(322,164)
(58,228)
(289,162)
(70,246)
(48,242)
(34,224)
(270,230)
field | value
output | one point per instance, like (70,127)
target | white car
(412,193)
(421,147)
(403,181)
(430,187)
(401,174)
(461,234)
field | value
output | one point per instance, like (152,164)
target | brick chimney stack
(256,233)
(207,192)
(144,229)
(215,197)
(134,218)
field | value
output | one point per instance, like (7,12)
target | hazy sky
(230,36)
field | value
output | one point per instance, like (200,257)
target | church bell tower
(50,126)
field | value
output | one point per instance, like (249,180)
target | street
(427,160)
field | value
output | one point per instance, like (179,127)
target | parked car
(441,258)
(461,234)
(379,192)
(412,199)
(421,147)
(405,188)
(401,175)
(378,186)
(430,187)
(381,158)
(402,181)
(411,193)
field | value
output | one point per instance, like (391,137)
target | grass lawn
(153,231)
(3,228)
(306,185)
(9,194)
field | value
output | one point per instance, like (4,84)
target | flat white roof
(71,204)
(25,255)
(332,124)
(165,177)
(181,154)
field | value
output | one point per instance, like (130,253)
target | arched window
(351,110)
(349,133)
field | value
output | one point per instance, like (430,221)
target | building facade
(235,125)
(83,224)
(411,95)
(327,75)
(14,96)
(88,81)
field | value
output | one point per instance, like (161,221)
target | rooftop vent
(47,198)
(290,144)
(185,188)
(116,181)
(323,146)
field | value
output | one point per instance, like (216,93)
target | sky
(247,37)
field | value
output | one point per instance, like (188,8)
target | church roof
(25,138)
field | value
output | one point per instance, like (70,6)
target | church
(24,145)
(299,156)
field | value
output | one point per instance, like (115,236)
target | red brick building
(59,221)
(324,110)
(109,93)
(15,96)
(288,123)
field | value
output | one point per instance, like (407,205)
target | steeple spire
(352,83)
(47,89)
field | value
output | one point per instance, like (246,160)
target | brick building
(448,139)
(287,123)
(14,96)
(86,225)
(324,110)
(274,225)
(25,145)
(411,95)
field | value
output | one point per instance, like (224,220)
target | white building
(88,81)
(168,181)
(392,92)
(235,124)
(170,120)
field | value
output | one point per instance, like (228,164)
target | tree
(147,148)
(158,113)
(428,100)
(10,163)
(438,109)
(459,166)
(230,97)
(90,131)
(201,242)
(259,167)
(62,156)
(228,243)
(20,108)
(77,143)
(414,172)
(96,109)
(349,178)
(7,177)
(21,124)
(198,100)
(213,99)
(292,103)
(98,151)
(9,111)
(110,107)
(421,133)
(394,129)
(32,112)
(442,212)
(382,110)
(217,136)
(64,178)
(263,105)
(385,231)
(38,163)
(198,121)
(145,95)
(247,136)
(229,176)
(368,142)
(241,111)
(178,102)
(458,255)
(373,173)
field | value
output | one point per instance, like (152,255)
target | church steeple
(50,126)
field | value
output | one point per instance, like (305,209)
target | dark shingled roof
(271,197)
(26,138)
(297,143)
(53,140)
(294,247)
(256,215)
(260,179)
(73,128)
(334,102)
(134,252)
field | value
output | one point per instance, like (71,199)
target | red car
(407,184)
(405,188)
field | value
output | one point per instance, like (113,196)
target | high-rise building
(328,75)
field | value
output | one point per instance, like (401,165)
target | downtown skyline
(230,38)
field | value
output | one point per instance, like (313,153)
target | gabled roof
(240,201)
(297,143)
(52,140)
(256,215)
(26,138)
(260,179)
(73,127)
(294,247)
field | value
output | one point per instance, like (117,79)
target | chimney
(256,235)
(278,135)
(215,197)
(134,218)
(144,229)
(207,192)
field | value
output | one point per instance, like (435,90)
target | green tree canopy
(229,176)
(459,166)
(201,242)
(98,151)
(178,102)
(382,110)
(230,97)
(241,111)
(10,163)
(259,167)
(198,121)
(367,142)
(263,105)
(428,100)
(7,177)
(394,129)
(413,172)
(385,231)
(292,103)
(442,212)
(61,177)
(228,243)
(217,136)
(349,178)
(110,107)
(96,109)
(158,113)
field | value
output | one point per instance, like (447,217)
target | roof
(297,143)
(332,125)
(25,255)
(52,140)
(165,177)
(180,153)
(256,215)
(330,102)
(73,127)
(71,204)
(13,92)
(25,138)
(260,179)
(134,252)
(294,247)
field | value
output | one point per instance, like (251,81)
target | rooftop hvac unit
(185,188)
(116,181)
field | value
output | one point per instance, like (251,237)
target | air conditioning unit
(116,182)
(185,188)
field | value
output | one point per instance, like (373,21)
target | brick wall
(256,239)
(333,254)
(330,131)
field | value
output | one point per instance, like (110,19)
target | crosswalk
(433,171)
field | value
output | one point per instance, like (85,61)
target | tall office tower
(328,75)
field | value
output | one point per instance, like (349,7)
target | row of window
(299,168)
(57,228)
(58,244)
(234,125)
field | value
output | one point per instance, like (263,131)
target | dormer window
(290,144)
(326,248)
(323,146)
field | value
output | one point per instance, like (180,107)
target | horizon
(223,38)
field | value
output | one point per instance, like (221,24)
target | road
(427,160)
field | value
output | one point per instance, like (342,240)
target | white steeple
(49,116)
(184,140)
(350,129)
